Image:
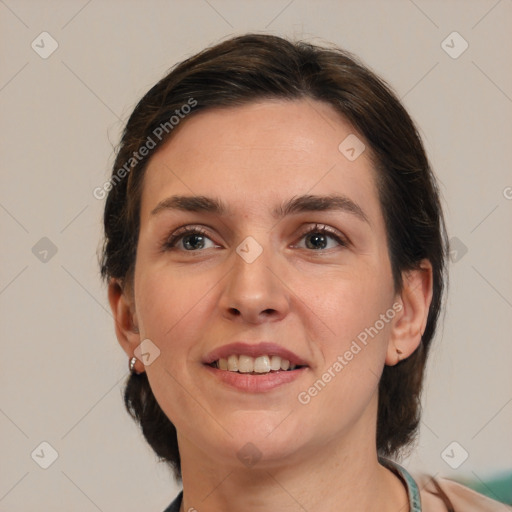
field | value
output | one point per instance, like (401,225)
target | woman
(275,256)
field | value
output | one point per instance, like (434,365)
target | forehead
(260,153)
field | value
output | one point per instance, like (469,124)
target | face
(275,272)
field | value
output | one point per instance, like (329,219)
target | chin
(262,437)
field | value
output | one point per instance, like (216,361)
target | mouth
(254,368)
(260,365)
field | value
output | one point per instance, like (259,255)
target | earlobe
(410,322)
(122,306)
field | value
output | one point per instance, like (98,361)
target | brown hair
(253,67)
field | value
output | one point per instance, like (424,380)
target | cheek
(345,304)
(165,302)
(170,312)
(176,309)
(164,312)
(352,352)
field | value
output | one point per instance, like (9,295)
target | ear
(413,304)
(123,309)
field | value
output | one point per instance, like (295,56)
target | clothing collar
(413,491)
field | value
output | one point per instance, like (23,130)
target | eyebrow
(300,204)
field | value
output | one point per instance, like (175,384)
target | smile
(254,365)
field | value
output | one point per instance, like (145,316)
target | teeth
(233,363)
(248,364)
(245,364)
(262,364)
(275,363)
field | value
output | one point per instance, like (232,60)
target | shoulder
(444,495)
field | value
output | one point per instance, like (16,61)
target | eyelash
(170,242)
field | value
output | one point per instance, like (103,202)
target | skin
(321,455)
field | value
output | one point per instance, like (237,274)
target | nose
(254,291)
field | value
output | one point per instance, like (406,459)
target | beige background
(62,369)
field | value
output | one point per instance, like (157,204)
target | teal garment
(497,487)
(412,489)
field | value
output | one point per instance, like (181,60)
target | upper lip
(264,348)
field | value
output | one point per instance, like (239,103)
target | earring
(399,352)
(131,365)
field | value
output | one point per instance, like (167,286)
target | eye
(188,239)
(317,238)
(194,238)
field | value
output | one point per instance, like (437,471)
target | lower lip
(256,383)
